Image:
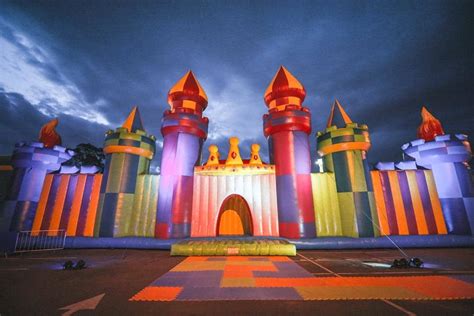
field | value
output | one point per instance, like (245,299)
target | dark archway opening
(234,218)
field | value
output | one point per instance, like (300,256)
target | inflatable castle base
(430,241)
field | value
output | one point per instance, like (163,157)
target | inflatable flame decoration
(430,127)
(48,135)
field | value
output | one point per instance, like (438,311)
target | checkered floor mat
(279,278)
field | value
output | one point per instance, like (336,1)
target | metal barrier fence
(40,240)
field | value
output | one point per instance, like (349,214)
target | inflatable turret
(129,151)
(447,156)
(31,163)
(287,127)
(343,146)
(184,130)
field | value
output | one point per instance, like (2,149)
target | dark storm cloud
(21,121)
(381,59)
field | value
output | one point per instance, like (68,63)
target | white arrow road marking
(90,303)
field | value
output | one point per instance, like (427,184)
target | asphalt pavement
(36,284)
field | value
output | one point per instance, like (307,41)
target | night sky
(89,62)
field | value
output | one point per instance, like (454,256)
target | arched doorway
(234,218)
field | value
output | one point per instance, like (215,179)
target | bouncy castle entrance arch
(234,217)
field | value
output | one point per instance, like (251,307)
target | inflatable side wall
(143,217)
(68,202)
(326,205)
(408,203)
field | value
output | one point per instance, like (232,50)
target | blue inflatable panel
(119,242)
(427,241)
(406,165)
(385,165)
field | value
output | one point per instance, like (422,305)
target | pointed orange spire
(283,90)
(430,126)
(187,93)
(234,157)
(213,156)
(338,116)
(48,135)
(133,121)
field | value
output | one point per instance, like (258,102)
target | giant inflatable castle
(430,193)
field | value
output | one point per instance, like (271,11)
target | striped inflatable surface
(407,203)
(121,140)
(142,219)
(326,205)
(351,136)
(68,202)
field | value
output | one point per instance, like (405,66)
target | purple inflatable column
(184,130)
(31,163)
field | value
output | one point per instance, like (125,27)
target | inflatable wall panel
(68,202)
(142,219)
(407,203)
(326,205)
(259,191)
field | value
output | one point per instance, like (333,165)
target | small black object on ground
(403,263)
(69,265)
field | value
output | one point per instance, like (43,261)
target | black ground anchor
(69,265)
(403,263)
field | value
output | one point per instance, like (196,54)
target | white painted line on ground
(40,258)
(387,272)
(51,258)
(435,273)
(406,311)
(319,265)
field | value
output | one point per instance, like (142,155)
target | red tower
(287,127)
